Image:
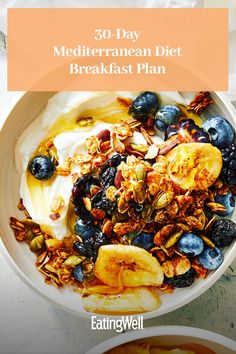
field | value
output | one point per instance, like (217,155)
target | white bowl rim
(163,331)
(208,282)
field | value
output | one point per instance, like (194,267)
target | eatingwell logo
(118,324)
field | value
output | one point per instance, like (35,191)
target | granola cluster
(200,102)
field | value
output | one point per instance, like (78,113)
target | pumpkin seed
(29,235)
(130,236)
(163,199)
(73,260)
(139,191)
(140,172)
(147,213)
(52,243)
(51,269)
(37,244)
(173,239)
(118,217)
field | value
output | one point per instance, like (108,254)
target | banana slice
(131,348)
(122,265)
(194,165)
(129,301)
(101,289)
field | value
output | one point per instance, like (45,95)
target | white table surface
(31,325)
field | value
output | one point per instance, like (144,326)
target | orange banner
(117,49)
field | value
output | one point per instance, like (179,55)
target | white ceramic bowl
(18,116)
(171,335)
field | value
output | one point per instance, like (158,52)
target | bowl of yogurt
(67,131)
(167,340)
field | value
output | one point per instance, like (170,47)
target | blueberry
(80,248)
(228,172)
(84,214)
(108,176)
(100,201)
(86,230)
(91,232)
(100,240)
(85,248)
(232,165)
(211,258)
(92,240)
(232,181)
(82,186)
(160,125)
(228,201)
(220,130)
(182,281)
(82,211)
(144,106)
(114,161)
(168,114)
(41,167)
(81,226)
(223,232)
(190,244)
(88,240)
(97,198)
(144,240)
(78,273)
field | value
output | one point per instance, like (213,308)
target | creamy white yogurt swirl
(60,113)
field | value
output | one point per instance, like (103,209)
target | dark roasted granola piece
(200,102)
(18,228)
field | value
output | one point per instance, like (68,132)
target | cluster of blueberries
(215,130)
